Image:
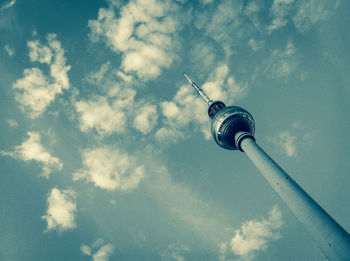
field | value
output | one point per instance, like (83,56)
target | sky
(105,148)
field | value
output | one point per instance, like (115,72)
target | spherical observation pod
(227,122)
(214,107)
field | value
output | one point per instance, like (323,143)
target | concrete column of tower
(331,238)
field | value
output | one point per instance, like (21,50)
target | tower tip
(188,78)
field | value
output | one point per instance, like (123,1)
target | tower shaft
(331,238)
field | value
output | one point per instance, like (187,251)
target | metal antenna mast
(200,91)
(233,128)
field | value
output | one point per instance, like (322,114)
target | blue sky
(106,151)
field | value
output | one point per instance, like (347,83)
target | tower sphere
(229,121)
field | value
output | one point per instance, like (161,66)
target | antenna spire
(205,97)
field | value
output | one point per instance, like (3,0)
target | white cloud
(223,86)
(37,90)
(97,251)
(255,45)
(282,63)
(167,134)
(146,118)
(12,123)
(32,150)
(290,142)
(61,210)
(188,108)
(86,250)
(142,34)
(280,11)
(39,53)
(103,253)
(110,169)
(125,77)
(254,235)
(8,5)
(99,114)
(10,51)
(37,93)
(58,69)
(309,12)
(116,109)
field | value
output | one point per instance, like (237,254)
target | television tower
(233,128)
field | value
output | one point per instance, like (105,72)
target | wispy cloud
(226,13)
(9,50)
(282,63)
(61,210)
(32,150)
(239,20)
(174,252)
(255,44)
(8,5)
(96,78)
(98,251)
(12,123)
(110,169)
(309,12)
(142,34)
(290,142)
(37,90)
(255,235)
(280,10)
